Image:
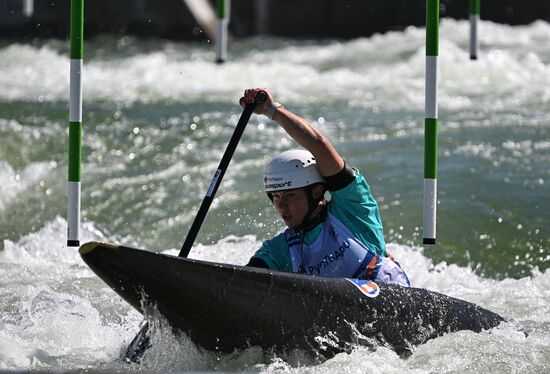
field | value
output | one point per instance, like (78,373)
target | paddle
(141,342)
(218,175)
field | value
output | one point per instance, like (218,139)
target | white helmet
(291,169)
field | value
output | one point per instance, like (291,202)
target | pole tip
(430,241)
(73,243)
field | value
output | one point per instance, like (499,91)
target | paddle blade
(138,346)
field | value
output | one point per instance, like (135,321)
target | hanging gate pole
(223,11)
(75,123)
(430,122)
(474,22)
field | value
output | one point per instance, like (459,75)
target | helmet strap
(310,222)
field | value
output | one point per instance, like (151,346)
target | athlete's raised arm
(329,161)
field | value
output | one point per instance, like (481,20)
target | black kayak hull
(227,307)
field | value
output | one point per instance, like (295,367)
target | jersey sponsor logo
(328,259)
(332,233)
(367,288)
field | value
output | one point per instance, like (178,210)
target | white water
(517,61)
(56,314)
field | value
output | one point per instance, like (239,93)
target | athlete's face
(291,206)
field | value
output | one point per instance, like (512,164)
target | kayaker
(337,237)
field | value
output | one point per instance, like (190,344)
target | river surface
(157,118)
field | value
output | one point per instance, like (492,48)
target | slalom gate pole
(223,12)
(28,8)
(262,16)
(75,122)
(474,10)
(430,122)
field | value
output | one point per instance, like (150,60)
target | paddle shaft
(141,342)
(218,175)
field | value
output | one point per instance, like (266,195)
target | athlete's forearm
(328,160)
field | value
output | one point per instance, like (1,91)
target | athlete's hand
(250,95)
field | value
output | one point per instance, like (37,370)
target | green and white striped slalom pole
(75,122)
(430,122)
(474,28)
(224,10)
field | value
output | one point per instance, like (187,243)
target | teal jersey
(352,205)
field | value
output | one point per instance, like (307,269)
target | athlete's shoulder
(274,252)
(340,180)
(357,190)
(356,207)
(278,242)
